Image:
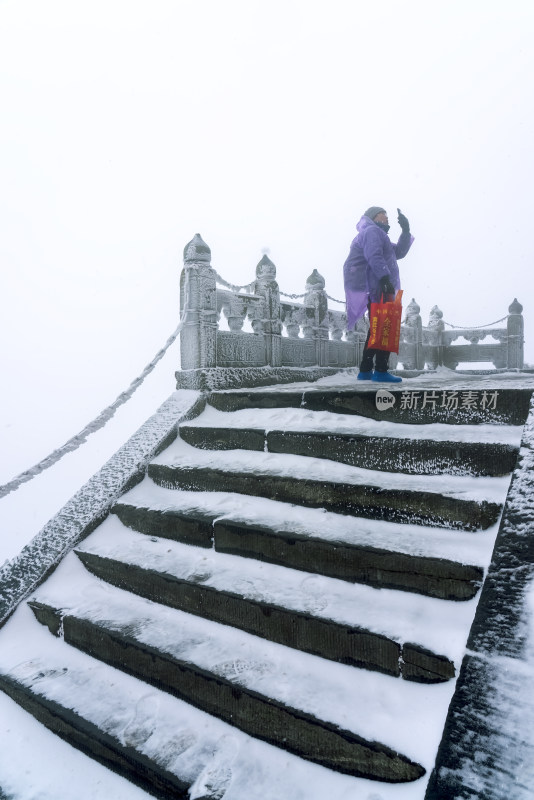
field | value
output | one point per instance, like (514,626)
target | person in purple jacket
(370,271)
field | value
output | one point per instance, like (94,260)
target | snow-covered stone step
(305,420)
(378,553)
(360,441)
(435,577)
(54,767)
(318,615)
(290,518)
(448,501)
(293,700)
(415,457)
(413,404)
(80,732)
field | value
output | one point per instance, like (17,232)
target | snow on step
(54,767)
(303,420)
(377,707)
(198,748)
(433,624)
(180,455)
(402,537)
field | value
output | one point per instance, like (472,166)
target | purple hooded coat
(372,256)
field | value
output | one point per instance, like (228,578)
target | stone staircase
(282,602)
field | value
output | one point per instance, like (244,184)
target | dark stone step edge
(387,454)
(372,502)
(513,405)
(96,743)
(335,560)
(427,575)
(257,715)
(355,646)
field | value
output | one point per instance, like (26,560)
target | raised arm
(406,239)
(403,245)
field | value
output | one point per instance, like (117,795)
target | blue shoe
(385,377)
(365,376)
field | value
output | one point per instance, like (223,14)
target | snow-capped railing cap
(413,308)
(315,281)
(515,307)
(265,268)
(197,250)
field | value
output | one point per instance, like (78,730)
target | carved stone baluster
(235,313)
(336,325)
(292,321)
(255,314)
(198,306)
(515,331)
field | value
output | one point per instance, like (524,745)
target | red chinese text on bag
(385,322)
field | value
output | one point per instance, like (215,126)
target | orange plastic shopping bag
(385,323)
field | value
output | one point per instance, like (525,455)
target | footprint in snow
(215,778)
(141,726)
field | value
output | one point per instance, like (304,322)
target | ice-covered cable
(475,327)
(292,296)
(232,286)
(249,286)
(92,427)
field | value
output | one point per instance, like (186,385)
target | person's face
(382,217)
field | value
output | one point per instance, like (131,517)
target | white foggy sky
(129,126)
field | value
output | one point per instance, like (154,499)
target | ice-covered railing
(265,330)
(281,332)
(433,345)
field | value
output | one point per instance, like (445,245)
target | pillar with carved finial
(267,288)
(515,333)
(316,305)
(412,336)
(434,332)
(198,307)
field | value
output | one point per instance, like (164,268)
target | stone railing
(432,346)
(271,339)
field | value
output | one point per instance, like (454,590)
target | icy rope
(249,286)
(232,286)
(475,327)
(298,296)
(92,427)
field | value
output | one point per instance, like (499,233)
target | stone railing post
(435,330)
(198,307)
(316,305)
(267,289)
(413,338)
(515,340)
